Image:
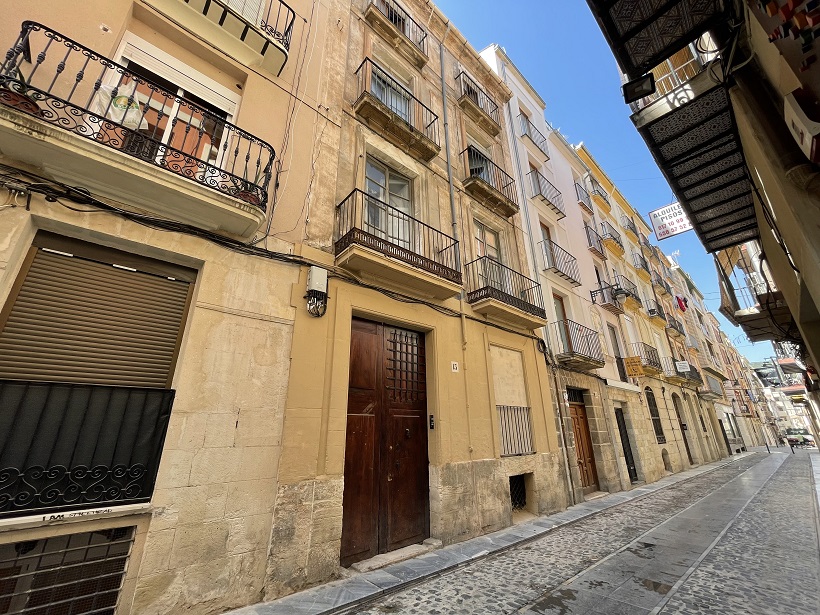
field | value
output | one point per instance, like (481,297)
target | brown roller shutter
(85,316)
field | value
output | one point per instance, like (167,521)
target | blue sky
(559,47)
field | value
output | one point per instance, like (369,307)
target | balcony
(544,191)
(402,32)
(628,291)
(671,372)
(693,376)
(692,343)
(89,121)
(675,327)
(576,346)
(376,239)
(535,136)
(516,431)
(600,198)
(595,242)
(583,199)
(560,262)
(243,30)
(712,390)
(606,298)
(655,310)
(477,104)
(395,113)
(488,183)
(65,446)
(661,286)
(628,224)
(612,239)
(498,292)
(650,359)
(641,267)
(654,252)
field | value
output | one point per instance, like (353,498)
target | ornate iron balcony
(629,225)
(609,232)
(403,22)
(484,172)
(650,358)
(625,286)
(366,221)
(596,244)
(654,309)
(577,345)
(661,284)
(543,189)
(561,262)
(70,446)
(489,279)
(606,298)
(640,262)
(583,198)
(675,325)
(535,135)
(599,191)
(467,88)
(78,90)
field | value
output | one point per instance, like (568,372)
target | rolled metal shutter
(79,318)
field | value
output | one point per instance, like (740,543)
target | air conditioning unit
(802,116)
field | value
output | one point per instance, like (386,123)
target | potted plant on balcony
(248,190)
(15,93)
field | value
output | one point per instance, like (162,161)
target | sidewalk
(338,596)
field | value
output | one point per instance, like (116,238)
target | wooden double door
(386,488)
(583,448)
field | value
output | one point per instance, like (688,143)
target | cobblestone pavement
(768,560)
(533,577)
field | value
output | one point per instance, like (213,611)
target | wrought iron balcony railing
(694,374)
(572,338)
(598,190)
(583,198)
(70,446)
(674,323)
(480,166)
(654,309)
(374,80)
(670,368)
(640,262)
(648,354)
(662,284)
(470,89)
(692,342)
(535,135)
(544,189)
(516,430)
(609,232)
(71,87)
(626,286)
(562,262)
(595,242)
(366,221)
(489,279)
(403,22)
(605,296)
(629,225)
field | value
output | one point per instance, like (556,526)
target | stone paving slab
(343,595)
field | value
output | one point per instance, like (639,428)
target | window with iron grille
(518,492)
(575,396)
(656,417)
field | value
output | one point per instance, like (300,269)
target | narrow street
(727,541)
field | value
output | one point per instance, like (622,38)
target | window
(391,93)
(536,185)
(656,417)
(388,208)
(487,242)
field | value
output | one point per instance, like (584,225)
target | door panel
(583,449)
(628,456)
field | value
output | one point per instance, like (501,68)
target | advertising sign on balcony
(634,366)
(669,221)
(682,366)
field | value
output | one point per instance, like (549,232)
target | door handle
(407,433)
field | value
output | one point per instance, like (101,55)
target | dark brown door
(386,494)
(583,448)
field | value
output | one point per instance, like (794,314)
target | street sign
(633,366)
(669,221)
(682,366)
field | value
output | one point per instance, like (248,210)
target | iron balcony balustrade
(547,193)
(693,375)
(535,135)
(393,110)
(576,346)
(627,289)
(612,238)
(516,431)
(561,262)
(605,297)
(639,262)
(629,225)
(712,389)
(69,446)
(489,183)
(599,196)
(675,327)
(706,332)
(661,285)
(487,279)
(73,88)
(594,241)
(477,104)
(395,24)
(671,371)
(650,359)
(692,343)
(583,199)
(363,220)
(654,309)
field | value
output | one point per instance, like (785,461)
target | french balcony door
(387,215)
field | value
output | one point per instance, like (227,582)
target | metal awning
(694,138)
(643,33)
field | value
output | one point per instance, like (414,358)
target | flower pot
(19,101)
(249,197)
